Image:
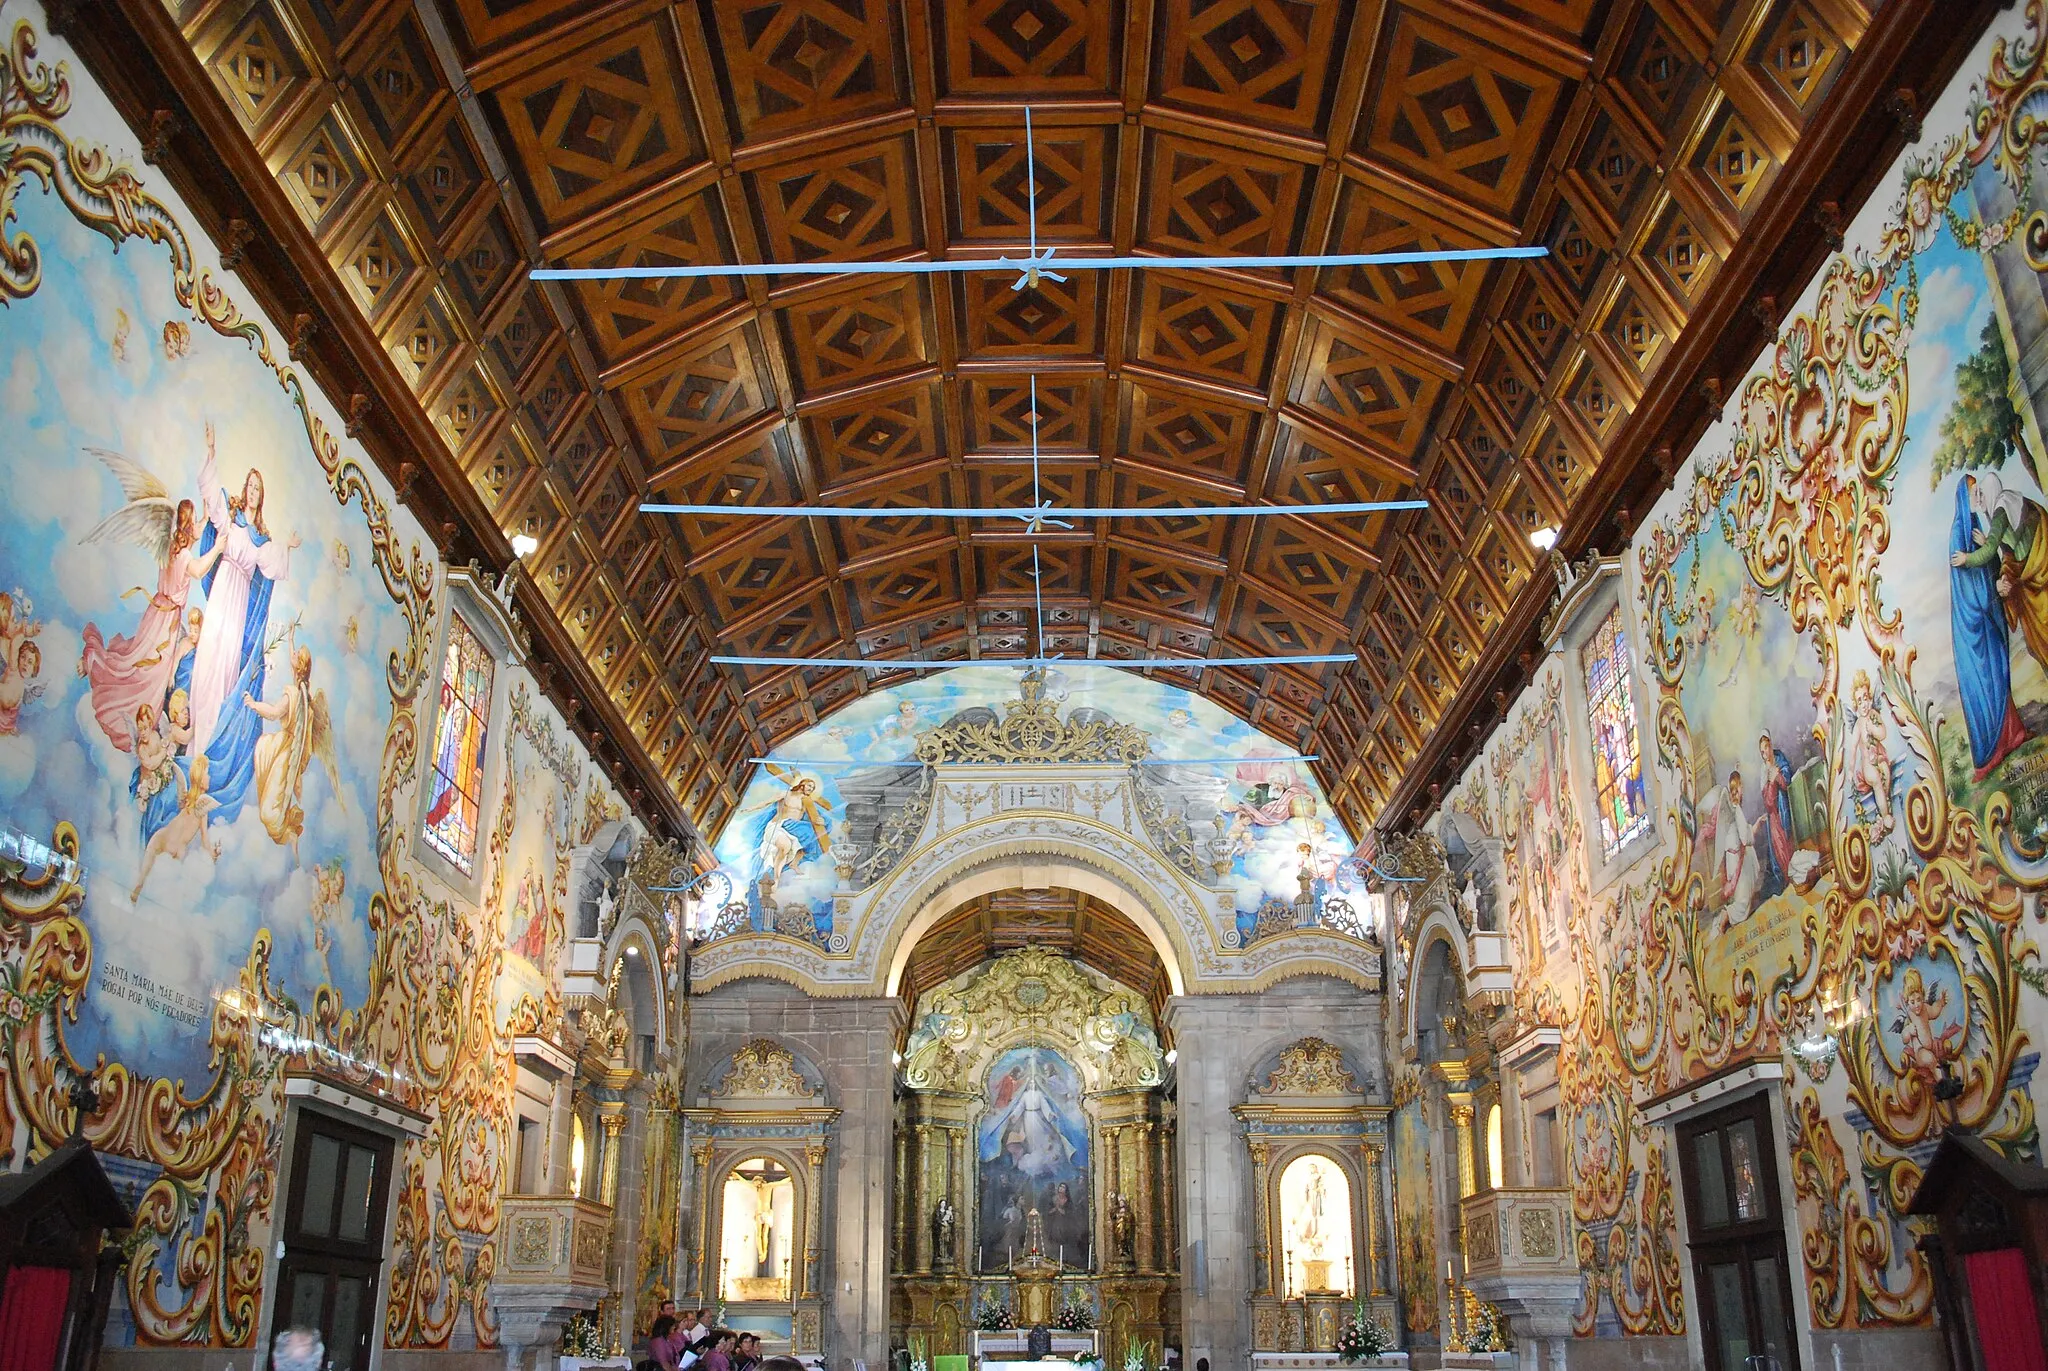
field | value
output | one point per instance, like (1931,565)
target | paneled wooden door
(334,1237)
(1737,1230)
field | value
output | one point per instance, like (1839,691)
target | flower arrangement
(993,1316)
(1363,1336)
(1074,1317)
(920,1359)
(580,1337)
(1485,1334)
(1138,1356)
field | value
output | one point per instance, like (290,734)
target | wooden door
(1737,1231)
(334,1237)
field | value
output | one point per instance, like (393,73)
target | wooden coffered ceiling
(433,149)
(1064,921)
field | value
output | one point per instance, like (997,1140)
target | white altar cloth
(994,1349)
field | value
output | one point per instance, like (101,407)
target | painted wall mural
(1415,1252)
(1839,614)
(832,805)
(216,639)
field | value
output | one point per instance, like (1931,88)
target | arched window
(455,788)
(1618,789)
(1496,1165)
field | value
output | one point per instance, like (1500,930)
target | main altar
(1033,1143)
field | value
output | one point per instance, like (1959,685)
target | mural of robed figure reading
(1033,1149)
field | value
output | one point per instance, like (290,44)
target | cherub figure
(902,724)
(1870,765)
(1929,1044)
(330,882)
(156,784)
(1703,627)
(188,825)
(21,661)
(1744,620)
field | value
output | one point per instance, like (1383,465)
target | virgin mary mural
(1977,619)
(1033,1149)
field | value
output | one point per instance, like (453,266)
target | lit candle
(1063,1256)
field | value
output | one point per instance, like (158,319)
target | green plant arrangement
(580,1338)
(919,1358)
(993,1316)
(1138,1357)
(1074,1317)
(1363,1336)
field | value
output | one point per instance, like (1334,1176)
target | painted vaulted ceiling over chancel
(432,155)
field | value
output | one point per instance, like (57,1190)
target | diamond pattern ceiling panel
(1633,139)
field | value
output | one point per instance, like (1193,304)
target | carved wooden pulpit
(1989,1254)
(57,1270)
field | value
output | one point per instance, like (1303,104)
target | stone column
(1376,1284)
(1460,1105)
(561,1133)
(1262,1222)
(1146,1198)
(629,1180)
(957,1186)
(612,1121)
(814,1220)
(702,1283)
(921,1199)
(900,1196)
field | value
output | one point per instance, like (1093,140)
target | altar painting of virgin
(1032,1144)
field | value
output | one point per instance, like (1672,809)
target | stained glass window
(455,791)
(1617,750)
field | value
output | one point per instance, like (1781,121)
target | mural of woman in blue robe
(1983,656)
(1774,825)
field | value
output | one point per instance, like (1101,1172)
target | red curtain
(32,1317)
(2002,1298)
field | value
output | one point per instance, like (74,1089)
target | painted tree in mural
(1982,427)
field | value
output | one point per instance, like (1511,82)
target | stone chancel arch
(1228,872)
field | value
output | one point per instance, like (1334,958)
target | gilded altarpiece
(1317,1142)
(987,1105)
(764,1105)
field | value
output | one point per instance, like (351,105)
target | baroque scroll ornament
(1031,730)
(763,1070)
(1311,1067)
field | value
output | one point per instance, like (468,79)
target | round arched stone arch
(876,930)
(1439,927)
(1107,867)
(636,945)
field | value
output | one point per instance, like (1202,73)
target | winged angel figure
(303,733)
(133,675)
